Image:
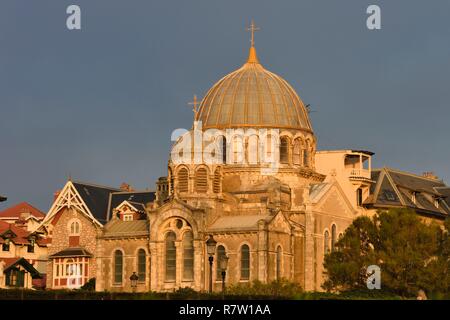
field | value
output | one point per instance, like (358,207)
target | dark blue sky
(100,103)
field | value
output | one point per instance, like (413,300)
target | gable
(386,193)
(71,199)
(140,198)
(280,223)
(334,202)
(23,207)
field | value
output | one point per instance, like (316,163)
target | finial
(252,57)
(252,29)
(194,105)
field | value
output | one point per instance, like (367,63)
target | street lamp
(223,266)
(210,249)
(134,279)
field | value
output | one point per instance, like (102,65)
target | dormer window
(31,246)
(5,246)
(437,200)
(413,196)
(127,217)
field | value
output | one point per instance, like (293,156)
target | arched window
(201,180)
(188,256)
(223,148)
(74,228)
(245,262)
(70,270)
(237,149)
(326,242)
(216,182)
(306,154)
(171,256)
(297,152)
(279,258)
(183,180)
(284,150)
(333,237)
(221,253)
(118,267)
(269,148)
(142,266)
(253,149)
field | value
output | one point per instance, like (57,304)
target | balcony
(358,174)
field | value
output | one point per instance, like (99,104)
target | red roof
(21,234)
(9,261)
(18,209)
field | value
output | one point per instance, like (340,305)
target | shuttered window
(183,180)
(217,182)
(201,180)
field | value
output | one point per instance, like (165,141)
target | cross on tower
(194,105)
(252,29)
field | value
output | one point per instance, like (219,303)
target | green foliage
(275,289)
(412,255)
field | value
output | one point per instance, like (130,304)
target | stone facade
(60,240)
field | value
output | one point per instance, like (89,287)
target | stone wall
(105,263)
(60,239)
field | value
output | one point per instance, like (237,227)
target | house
(22,252)
(74,222)
(23,214)
(17,273)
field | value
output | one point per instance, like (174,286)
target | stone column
(154,267)
(262,250)
(199,270)
(179,264)
(309,244)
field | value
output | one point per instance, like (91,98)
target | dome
(253,97)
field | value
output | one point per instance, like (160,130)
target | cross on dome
(252,29)
(252,57)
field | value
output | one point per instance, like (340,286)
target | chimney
(430,175)
(126,187)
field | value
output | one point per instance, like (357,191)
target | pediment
(335,202)
(280,223)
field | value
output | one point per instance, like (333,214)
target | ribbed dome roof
(253,97)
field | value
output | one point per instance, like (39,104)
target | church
(246,197)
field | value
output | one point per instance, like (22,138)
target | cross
(194,103)
(252,29)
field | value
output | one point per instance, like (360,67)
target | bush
(89,286)
(275,289)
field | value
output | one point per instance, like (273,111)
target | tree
(346,265)
(412,255)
